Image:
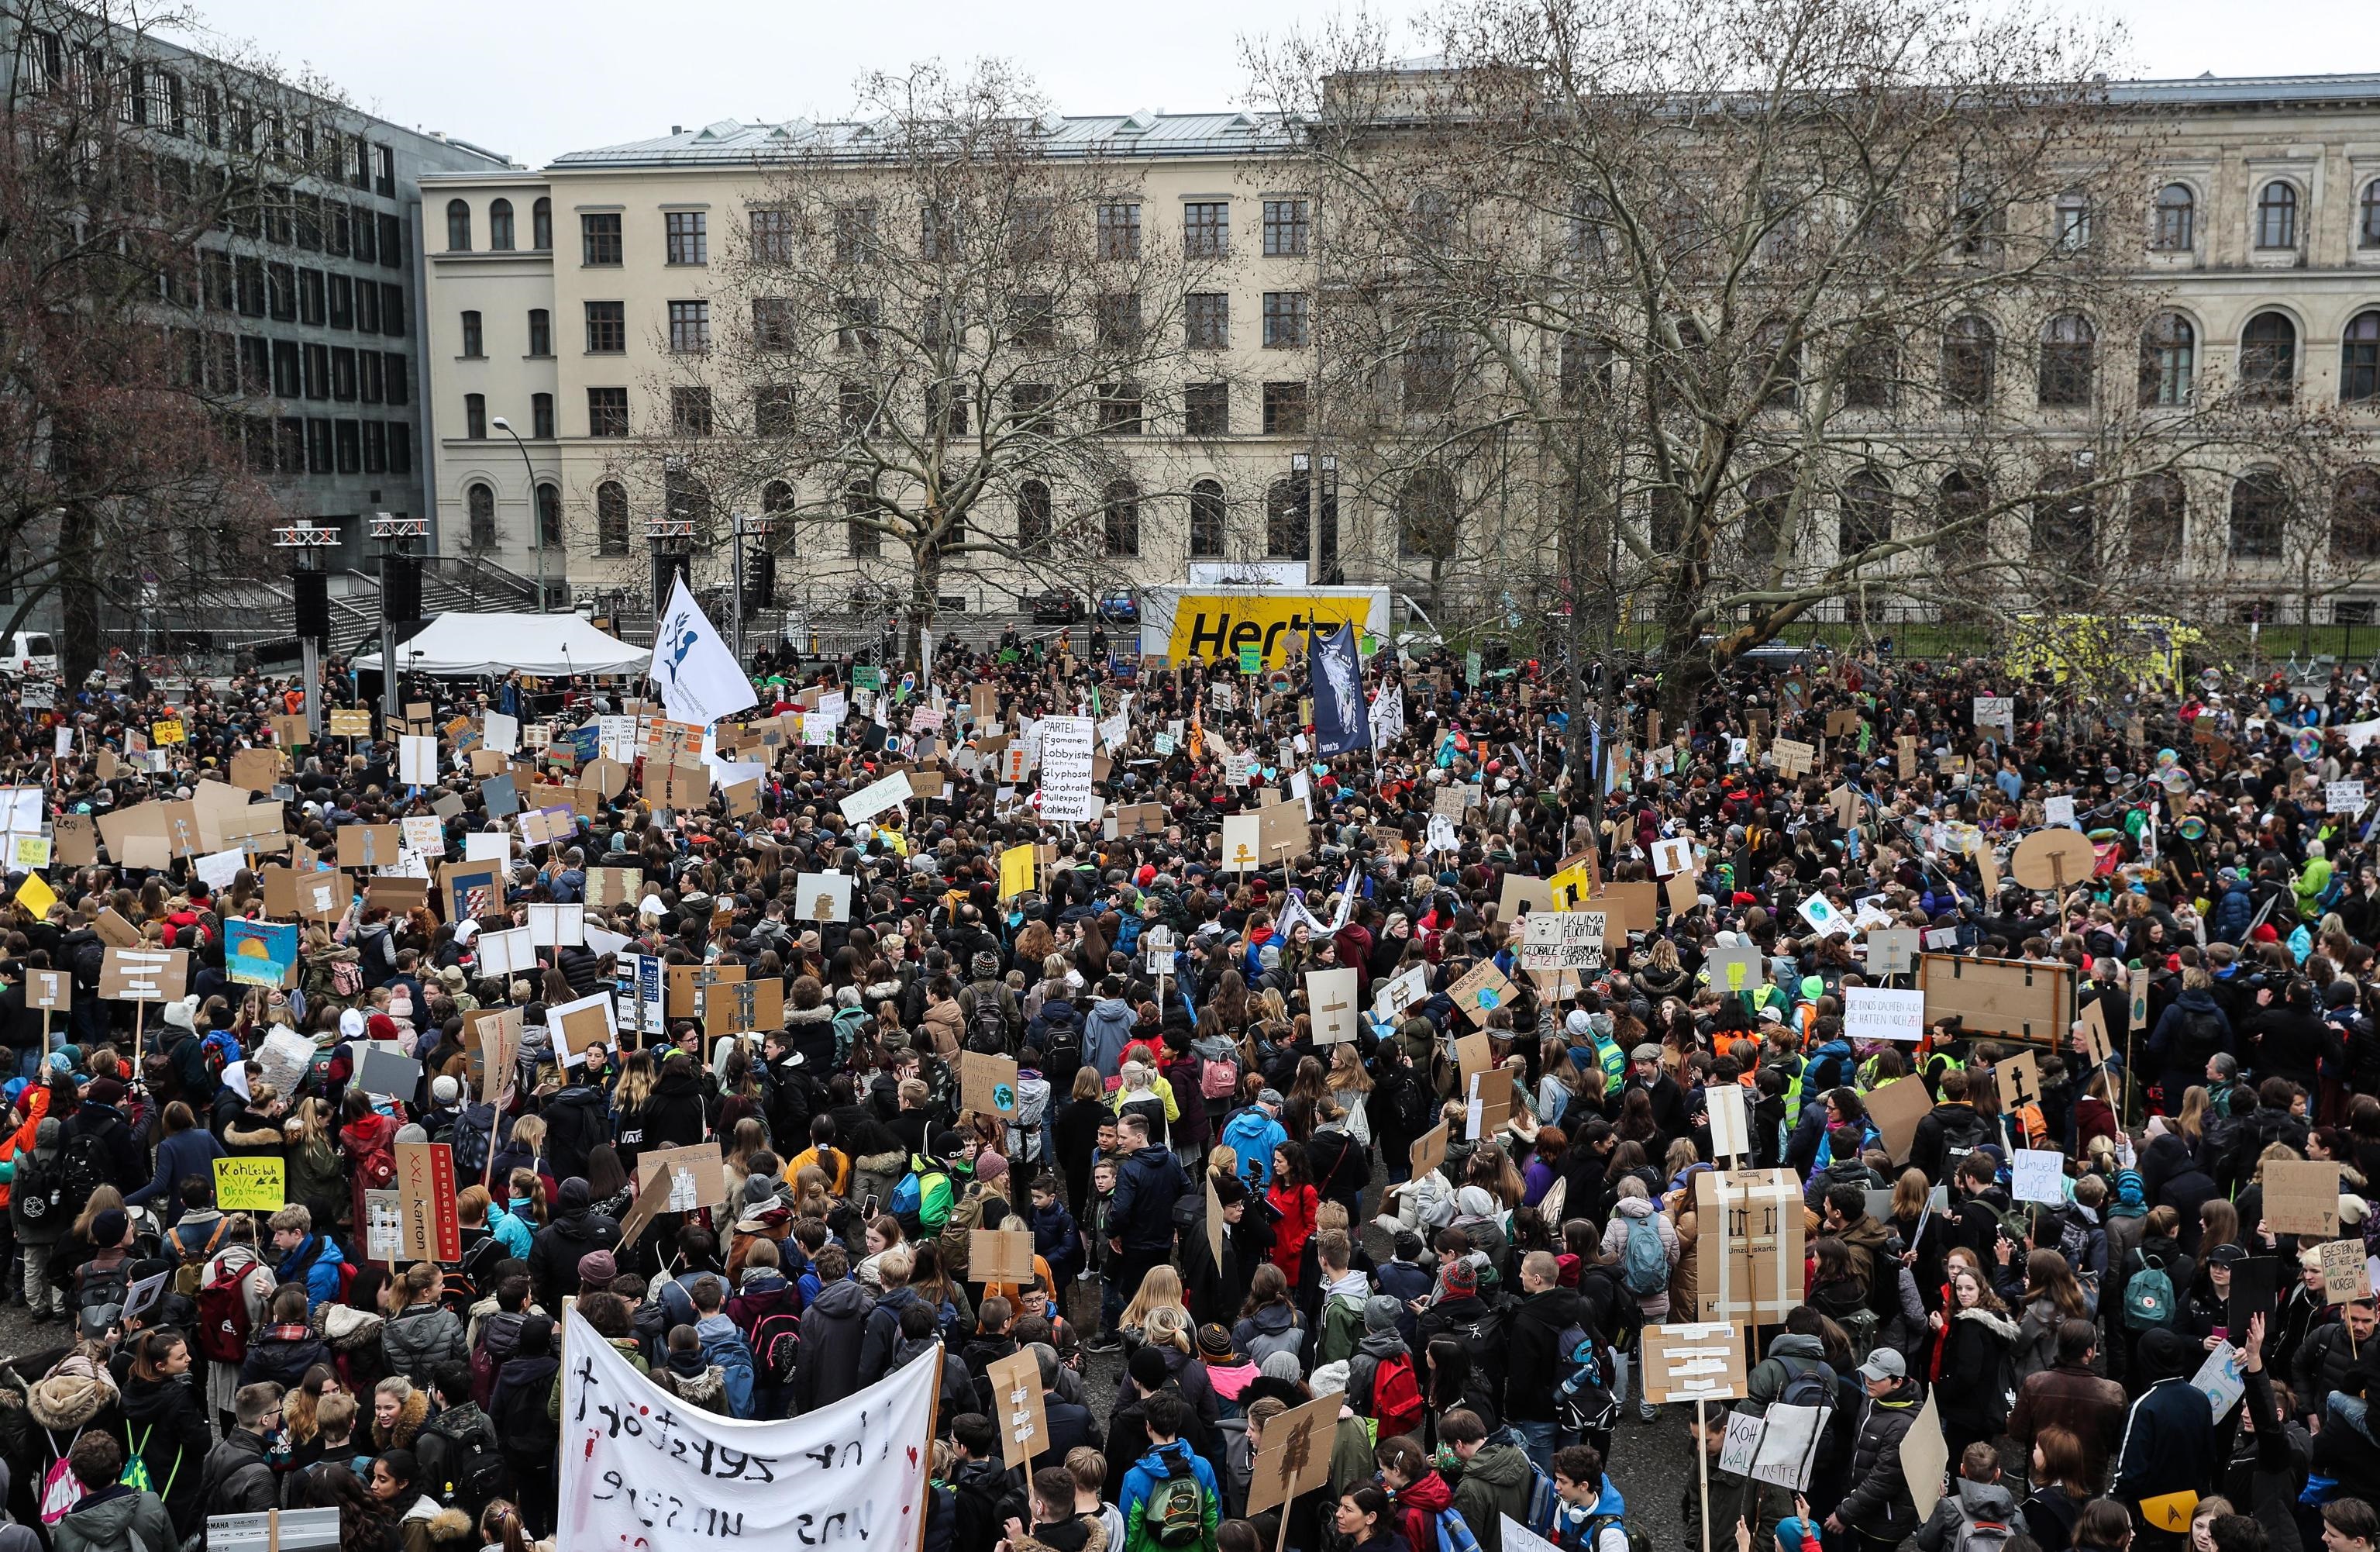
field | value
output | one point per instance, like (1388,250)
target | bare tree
(941,339)
(130,177)
(1780,309)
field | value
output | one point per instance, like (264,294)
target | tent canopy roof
(465,645)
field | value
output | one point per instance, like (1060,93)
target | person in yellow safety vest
(1581,1025)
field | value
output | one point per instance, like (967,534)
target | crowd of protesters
(1480,1322)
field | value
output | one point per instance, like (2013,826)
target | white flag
(697,674)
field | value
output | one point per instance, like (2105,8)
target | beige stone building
(556,298)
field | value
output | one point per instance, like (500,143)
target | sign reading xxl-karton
(2017,1000)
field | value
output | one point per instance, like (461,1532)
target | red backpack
(223,1314)
(1396,1397)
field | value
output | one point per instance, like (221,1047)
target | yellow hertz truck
(1212,623)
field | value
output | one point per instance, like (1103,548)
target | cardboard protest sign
(49,991)
(143,974)
(1428,1150)
(1892,950)
(2021,999)
(1925,1458)
(2346,1271)
(580,1026)
(1017,1408)
(697,1176)
(1692,1362)
(1295,1459)
(1000,1255)
(1896,1109)
(2018,1077)
(1331,998)
(2302,1197)
(650,1204)
(1481,991)
(500,1031)
(369,846)
(425,1177)
(1748,1249)
(988,1083)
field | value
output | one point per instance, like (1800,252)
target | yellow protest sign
(1016,871)
(251,1183)
(1568,886)
(167,730)
(36,896)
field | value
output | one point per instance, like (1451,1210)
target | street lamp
(536,512)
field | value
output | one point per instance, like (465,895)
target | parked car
(1056,606)
(1120,608)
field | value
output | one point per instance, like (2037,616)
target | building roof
(1136,134)
(2213,91)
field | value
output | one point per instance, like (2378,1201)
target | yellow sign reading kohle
(1217,625)
(251,1184)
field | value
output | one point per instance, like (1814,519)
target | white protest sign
(1730,1129)
(2219,1379)
(2057,811)
(876,797)
(1571,940)
(1996,711)
(2037,1174)
(1824,918)
(639,1467)
(425,835)
(1673,856)
(417,759)
(1066,797)
(2343,797)
(1881,1013)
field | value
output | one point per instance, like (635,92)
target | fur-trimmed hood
(248,1130)
(410,1420)
(447,1526)
(1999,1324)
(71,1394)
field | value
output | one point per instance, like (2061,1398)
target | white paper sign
(1730,1132)
(1824,918)
(219,868)
(2037,1174)
(1675,855)
(1331,997)
(1562,940)
(417,759)
(501,733)
(1066,797)
(822,897)
(635,1459)
(2343,797)
(556,926)
(488,846)
(876,797)
(1400,991)
(510,952)
(1996,711)
(2219,1379)
(424,835)
(1882,1013)
(2057,811)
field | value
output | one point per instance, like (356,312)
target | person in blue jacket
(187,1149)
(1253,1134)
(306,1257)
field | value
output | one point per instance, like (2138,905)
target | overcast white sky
(536,80)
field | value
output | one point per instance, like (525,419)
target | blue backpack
(1644,1265)
(1454,1533)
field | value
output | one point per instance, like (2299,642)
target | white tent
(462,646)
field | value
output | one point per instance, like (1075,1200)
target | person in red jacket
(1418,1493)
(1295,1203)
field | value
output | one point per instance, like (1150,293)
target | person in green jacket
(2313,880)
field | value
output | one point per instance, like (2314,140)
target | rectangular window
(687,237)
(343,302)
(859,328)
(392,309)
(222,293)
(474,340)
(1206,320)
(318,446)
(342,375)
(392,253)
(367,238)
(367,306)
(540,332)
(946,409)
(1206,410)
(1120,230)
(857,407)
(350,434)
(400,447)
(607,328)
(689,325)
(940,233)
(289,377)
(250,272)
(1284,228)
(541,416)
(309,222)
(255,365)
(317,371)
(1119,320)
(772,237)
(599,237)
(1284,408)
(690,411)
(475,417)
(1206,230)
(336,214)
(772,323)
(223,364)
(383,162)
(607,411)
(375,446)
(1119,409)
(772,410)
(398,390)
(372,377)
(855,233)
(290,445)
(1284,320)
(1033,320)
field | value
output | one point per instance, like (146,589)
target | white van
(30,652)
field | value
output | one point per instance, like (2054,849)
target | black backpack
(987,1028)
(524,1420)
(39,1188)
(2202,1036)
(94,1289)
(477,1474)
(83,1167)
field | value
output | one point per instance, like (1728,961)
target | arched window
(1872,371)
(1120,518)
(2066,348)
(541,225)
(1207,512)
(858,505)
(500,227)
(2173,225)
(2159,505)
(1425,516)
(549,515)
(2358,358)
(2064,526)
(1970,362)
(2268,358)
(1032,516)
(2260,515)
(1962,495)
(481,502)
(610,517)
(2355,515)
(458,227)
(1432,221)
(1285,518)
(2169,354)
(1768,509)
(2276,215)
(1863,515)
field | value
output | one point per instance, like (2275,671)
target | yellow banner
(1016,871)
(251,1184)
(1212,626)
